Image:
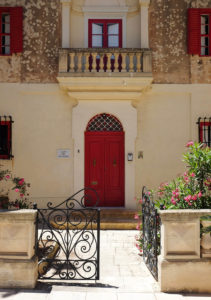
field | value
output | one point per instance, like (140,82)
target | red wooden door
(104,166)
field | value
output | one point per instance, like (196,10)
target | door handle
(114,163)
(94,162)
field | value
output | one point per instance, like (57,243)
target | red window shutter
(193,31)
(16,29)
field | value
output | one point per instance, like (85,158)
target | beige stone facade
(51,102)
(181,264)
(18,262)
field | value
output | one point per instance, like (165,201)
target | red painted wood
(104,166)
(105,23)
(193,31)
(16,29)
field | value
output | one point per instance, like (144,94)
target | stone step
(117,219)
(117,214)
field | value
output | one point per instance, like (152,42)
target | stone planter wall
(182,265)
(18,262)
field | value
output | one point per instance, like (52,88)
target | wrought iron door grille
(69,239)
(151,233)
(104,122)
(204,130)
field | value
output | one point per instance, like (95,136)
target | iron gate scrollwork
(151,233)
(68,241)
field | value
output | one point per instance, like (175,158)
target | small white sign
(63,153)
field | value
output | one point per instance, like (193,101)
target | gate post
(18,261)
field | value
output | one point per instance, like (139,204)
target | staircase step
(117,213)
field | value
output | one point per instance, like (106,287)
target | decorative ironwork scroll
(104,122)
(69,239)
(151,233)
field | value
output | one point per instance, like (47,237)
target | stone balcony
(88,62)
(105,74)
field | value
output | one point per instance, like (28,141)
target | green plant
(11,183)
(193,189)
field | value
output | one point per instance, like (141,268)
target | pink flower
(7,176)
(192,175)
(17,190)
(188,198)
(189,203)
(140,201)
(186,174)
(194,197)
(200,194)
(173,192)
(149,193)
(20,182)
(189,144)
(136,217)
(138,226)
(177,195)
(173,200)
(21,195)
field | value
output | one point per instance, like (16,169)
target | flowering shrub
(193,188)
(10,183)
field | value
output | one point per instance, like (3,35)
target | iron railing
(204,130)
(68,243)
(6,137)
(151,233)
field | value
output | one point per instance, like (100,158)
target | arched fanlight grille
(104,122)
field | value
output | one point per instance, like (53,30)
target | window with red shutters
(204,129)
(199,31)
(105,33)
(5,137)
(11,30)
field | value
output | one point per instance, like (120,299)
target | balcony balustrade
(104,62)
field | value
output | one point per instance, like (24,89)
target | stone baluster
(72,62)
(101,65)
(124,57)
(138,63)
(63,64)
(131,69)
(79,69)
(86,65)
(109,62)
(116,63)
(94,63)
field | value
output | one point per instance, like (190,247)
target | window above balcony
(105,33)
(105,24)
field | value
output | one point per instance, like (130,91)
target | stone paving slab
(123,276)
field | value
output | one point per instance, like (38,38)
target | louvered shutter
(16,29)
(193,31)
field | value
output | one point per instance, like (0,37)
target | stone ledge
(19,214)
(183,214)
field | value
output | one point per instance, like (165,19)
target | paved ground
(124,276)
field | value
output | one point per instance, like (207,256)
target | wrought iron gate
(68,241)
(151,233)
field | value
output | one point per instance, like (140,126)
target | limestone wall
(168,41)
(41,40)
